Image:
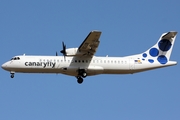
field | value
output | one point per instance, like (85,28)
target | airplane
(82,62)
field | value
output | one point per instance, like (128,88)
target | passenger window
(75,60)
(79,61)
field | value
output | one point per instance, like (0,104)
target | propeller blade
(64,46)
(63,51)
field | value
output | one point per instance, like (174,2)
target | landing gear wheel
(12,75)
(84,74)
(80,80)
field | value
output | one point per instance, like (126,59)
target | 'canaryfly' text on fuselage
(44,64)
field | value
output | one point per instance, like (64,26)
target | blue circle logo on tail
(162,59)
(164,45)
(154,52)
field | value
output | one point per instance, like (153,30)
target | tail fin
(161,51)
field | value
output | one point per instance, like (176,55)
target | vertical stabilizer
(162,49)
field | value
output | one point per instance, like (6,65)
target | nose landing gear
(12,74)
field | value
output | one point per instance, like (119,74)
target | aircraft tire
(12,75)
(80,80)
(84,74)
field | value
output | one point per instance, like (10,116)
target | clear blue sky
(38,27)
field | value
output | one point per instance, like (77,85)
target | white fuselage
(81,62)
(70,65)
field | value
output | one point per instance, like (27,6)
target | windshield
(15,58)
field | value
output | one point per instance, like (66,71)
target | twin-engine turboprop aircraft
(81,62)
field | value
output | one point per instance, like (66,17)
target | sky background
(38,27)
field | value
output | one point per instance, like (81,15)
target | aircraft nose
(4,65)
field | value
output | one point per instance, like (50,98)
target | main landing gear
(81,74)
(79,79)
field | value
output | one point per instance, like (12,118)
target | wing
(90,44)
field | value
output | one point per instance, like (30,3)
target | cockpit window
(15,58)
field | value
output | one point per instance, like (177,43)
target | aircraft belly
(94,70)
(117,71)
(36,70)
(120,69)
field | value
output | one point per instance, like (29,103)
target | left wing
(90,44)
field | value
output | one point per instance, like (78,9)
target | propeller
(63,51)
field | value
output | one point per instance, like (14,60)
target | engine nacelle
(72,51)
